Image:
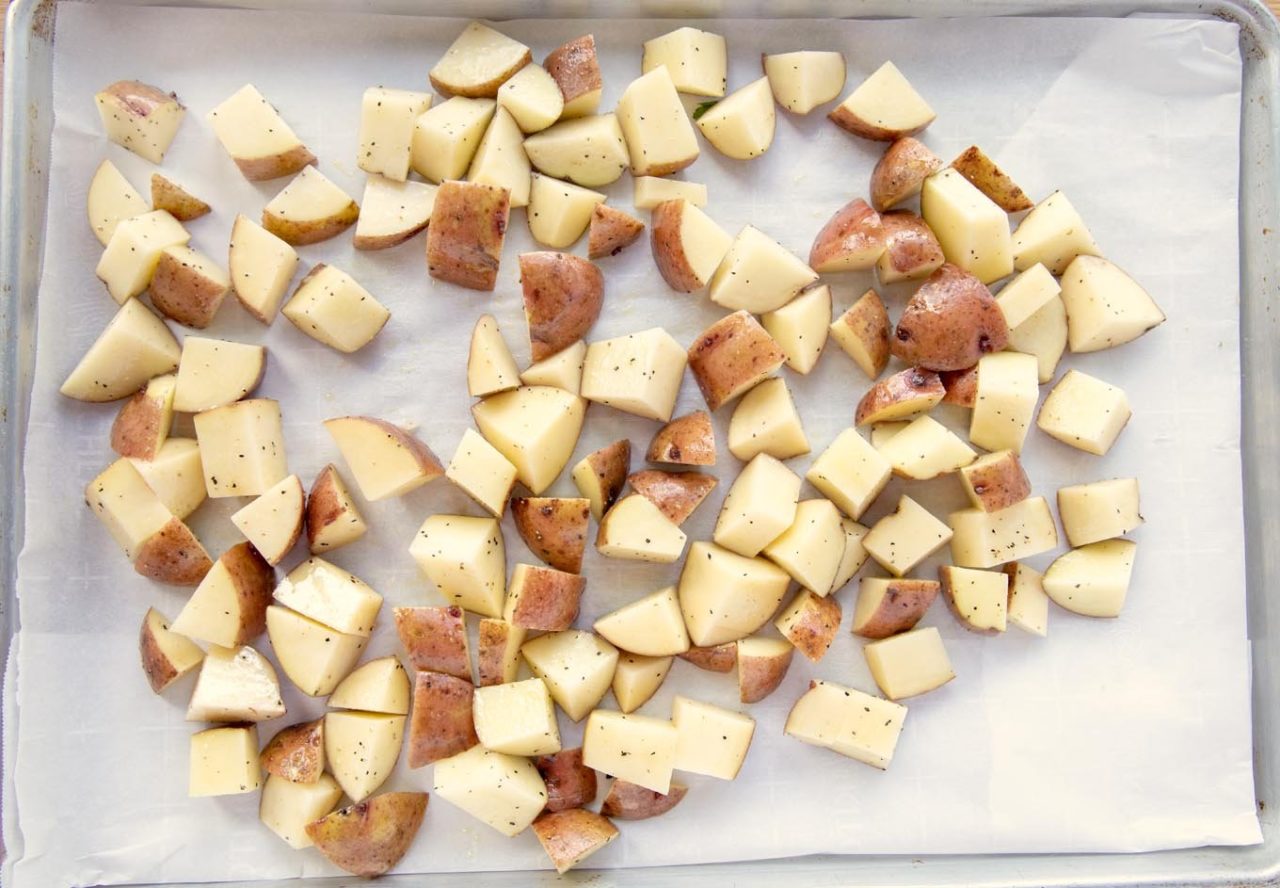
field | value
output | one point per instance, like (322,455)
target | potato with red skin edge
(888,606)
(721,658)
(852,239)
(626,801)
(479,60)
(296,753)
(676,494)
(911,249)
(686,265)
(331,516)
(369,837)
(570,837)
(570,783)
(543,598)
(468,228)
(166,656)
(762,665)
(992,181)
(554,528)
(863,333)
(442,724)
(731,356)
(611,231)
(996,481)
(142,425)
(901,171)
(904,395)
(811,622)
(950,322)
(687,440)
(961,386)
(563,295)
(497,651)
(173,555)
(600,476)
(435,639)
(179,203)
(576,71)
(188,286)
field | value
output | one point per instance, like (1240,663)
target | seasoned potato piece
(478,62)
(901,172)
(464,245)
(570,783)
(687,440)
(576,71)
(731,356)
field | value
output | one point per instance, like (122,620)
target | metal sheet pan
(27,126)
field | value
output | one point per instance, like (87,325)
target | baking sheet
(1124,735)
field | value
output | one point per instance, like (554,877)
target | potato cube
(235,685)
(988,539)
(978,598)
(141,117)
(801,327)
(517,718)
(1044,335)
(926,449)
(653,190)
(562,370)
(469,227)
(881,432)
(535,427)
(577,667)
(166,655)
(1099,511)
(639,373)
(803,80)
(884,107)
(385,459)
(435,639)
(589,151)
(725,596)
(262,145)
(973,231)
(215,372)
(316,657)
(1105,307)
(465,558)
(533,99)
(637,679)
(600,475)
(328,594)
(135,347)
(863,333)
(559,211)
(886,607)
(766,421)
(543,598)
(855,554)
(651,626)
(850,472)
(659,136)
(812,548)
(504,791)
(995,481)
(287,807)
(224,761)
(478,62)
(637,530)
(810,622)
(742,124)
(909,664)
(762,665)
(111,197)
(361,749)
(331,308)
(134,251)
(760,505)
(498,652)
(1093,580)
(758,274)
(446,136)
(310,209)
(634,748)
(482,472)
(1052,234)
(242,448)
(901,540)
(229,606)
(1084,412)
(273,522)
(1028,604)
(1008,388)
(847,721)
(1026,294)
(710,740)
(697,60)
(687,244)
(387,119)
(260,266)
(127,506)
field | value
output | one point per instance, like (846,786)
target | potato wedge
(801,81)
(650,626)
(992,181)
(852,240)
(810,622)
(464,246)
(1093,580)
(442,724)
(310,209)
(179,203)
(978,598)
(435,639)
(600,476)
(950,322)
(380,685)
(261,266)
(718,658)
(570,837)
(863,333)
(911,249)
(636,679)
(542,598)
(904,395)
(478,62)
(286,808)
(135,347)
(229,606)
(166,655)
(996,481)
(762,665)
(697,60)
(576,665)
(533,98)
(559,211)
(386,460)
(392,212)
(563,295)
(884,107)
(731,356)
(687,245)
(256,137)
(554,529)
(296,753)
(242,449)
(111,198)
(611,231)
(766,421)
(188,286)
(332,519)
(535,427)
(687,440)
(369,838)
(659,135)
(273,522)
(725,596)
(901,171)
(140,117)
(235,685)
(576,71)
(562,370)
(142,425)
(626,801)
(801,327)
(589,151)
(500,159)
(636,530)
(741,125)
(570,783)
(888,606)
(676,494)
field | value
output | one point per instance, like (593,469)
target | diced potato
(1044,335)
(478,62)
(554,529)
(886,607)
(1028,604)
(331,308)
(800,327)
(327,593)
(385,459)
(215,372)
(543,598)
(812,548)
(810,622)
(224,761)
(1052,234)
(498,652)
(533,98)
(659,136)
(1105,307)
(731,357)
(600,476)
(133,252)
(884,107)
(688,440)
(229,606)
(995,183)
(577,667)
(166,655)
(261,266)
(517,718)
(180,203)
(762,665)
(242,448)
(575,69)
(387,118)
(926,449)
(571,836)
(500,159)
(296,752)
(140,117)
(392,212)
(902,396)
(1008,389)
(987,539)
(310,209)
(490,367)
(978,598)
(235,685)
(639,373)
(801,81)
(332,518)
(637,530)
(766,421)
(435,639)
(446,136)
(316,657)
(1092,580)
(855,554)
(909,664)
(465,558)
(559,211)
(482,472)
(725,596)
(653,190)
(651,626)
(995,481)
(905,537)
(847,721)
(1026,294)
(175,475)
(900,172)
(262,145)
(611,231)
(369,838)
(535,427)
(717,658)
(741,125)
(710,740)
(443,722)
(634,748)
(758,274)
(188,286)
(361,749)
(380,685)
(882,432)
(760,505)
(850,472)
(853,239)
(464,246)
(1099,511)
(697,60)
(504,791)
(687,244)
(111,198)
(863,333)
(636,679)
(562,370)
(590,151)
(973,231)
(287,807)
(1084,412)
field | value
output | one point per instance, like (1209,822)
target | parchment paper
(1129,734)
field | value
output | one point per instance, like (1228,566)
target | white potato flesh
(847,721)
(380,685)
(517,718)
(1044,335)
(650,191)
(325,592)
(500,159)
(651,626)
(466,559)
(481,472)
(988,539)
(905,537)
(760,505)
(801,326)
(214,372)
(850,472)
(1099,511)
(242,448)
(535,427)
(1052,234)
(386,460)
(885,106)
(478,61)
(499,648)
(576,665)
(504,791)
(342,523)
(926,449)
(563,370)
(310,198)
(765,420)
(703,243)
(634,529)
(710,740)
(741,126)
(131,255)
(636,679)
(316,657)
(638,373)
(660,139)
(251,130)
(533,97)
(973,231)
(882,432)
(855,554)
(235,685)
(801,81)
(635,748)
(333,309)
(590,151)
(1028,603)
(176,474)
(224,761)
(697,60)
(1026,294)
(214,613)
(490,367)
(110,200)
(287,807)
(812,548)
(909,664)
(1105,307)
(758,274)
(446,136)
(1093,580)
(261,266)
(559,212)
(980,598)
(140,118)
(392,212)
(179,654)
(126,505)
(387,118)
(361,749)
(1005,405)
(725,596)
(1084,412)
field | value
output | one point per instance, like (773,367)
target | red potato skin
(357,838)
(468,228)
(731,356)
(813,633)
(296,753)
(676,494)
(324,507)
(548,599)
(431,466)
(563,295)
(961,386)
(758,677)
(903,605)
(554,529)
(136,429)
(435,639)
(855,228)
(612,464)
(611,231)
(721,658)
(992,181)
(574,67)
(155,663)
(626,801)
(950,322)
(570,783)
(910,244)
(442,724)
(668,249)
(901,172)
(573,835)
(999,485)
(254,580)
(490,648)
(910,384)
(173,555)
